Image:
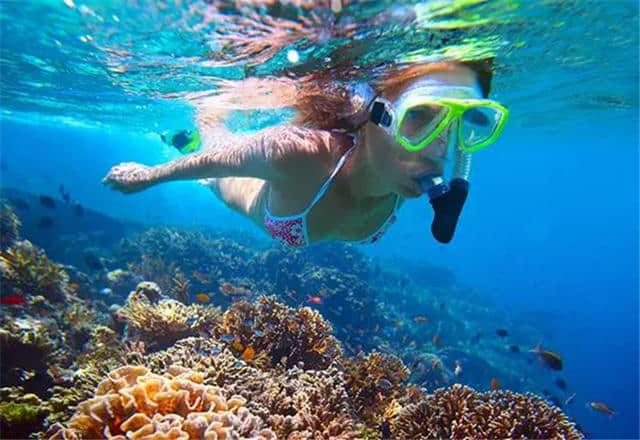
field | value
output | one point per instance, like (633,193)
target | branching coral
(132,403)
(461,412)
(180,287)
(103,353)
(25,269)
(295,404)
(25,346)
(288,336)
(373,382)
(163,322)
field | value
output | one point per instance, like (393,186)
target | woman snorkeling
(355,150)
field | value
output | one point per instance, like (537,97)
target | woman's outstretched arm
(279,153)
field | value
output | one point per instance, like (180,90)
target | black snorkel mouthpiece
(447,202)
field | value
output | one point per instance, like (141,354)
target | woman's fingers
(127,177)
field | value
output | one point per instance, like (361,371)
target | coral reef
(461,412)
(373,381)
(26,346)
(19,416)
(161,322)
(294,404)
(25,269)
(134,403)
(9,226)
(289,337)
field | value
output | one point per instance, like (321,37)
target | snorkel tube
(447,200)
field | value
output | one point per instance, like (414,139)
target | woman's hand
(128,177)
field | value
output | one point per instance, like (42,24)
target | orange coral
(132,403)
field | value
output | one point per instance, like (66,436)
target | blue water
(549,232)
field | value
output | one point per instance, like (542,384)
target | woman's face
(400,168)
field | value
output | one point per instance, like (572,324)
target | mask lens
(479,124)
(420,121)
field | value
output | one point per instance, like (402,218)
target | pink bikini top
(293,230)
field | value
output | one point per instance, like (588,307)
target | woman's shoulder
(305,151)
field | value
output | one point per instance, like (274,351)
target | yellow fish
(203,298)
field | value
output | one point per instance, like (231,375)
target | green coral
(20,419)
(20,413)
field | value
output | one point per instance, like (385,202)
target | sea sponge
(25,268)
(461,412)
(290,337)
(132,403)
(162,323)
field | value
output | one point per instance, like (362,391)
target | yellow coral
(132,403)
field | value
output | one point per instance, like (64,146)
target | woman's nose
(437,149)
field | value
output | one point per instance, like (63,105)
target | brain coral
(461,412)
(134,404)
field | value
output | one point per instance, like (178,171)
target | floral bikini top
(293,230)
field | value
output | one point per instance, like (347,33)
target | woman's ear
(484,71)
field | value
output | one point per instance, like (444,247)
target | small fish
(502,333)
(65,195)
(226,338)
(384,384)
(560,383)
(78,209)
(602,407)
(12,300)
(229,289)
(93,262)
(514,349)
(47,201)
(45,222)
(73,287)
(248,354)
(201,277)
(458,370)
(106,291)
(259,333)
(237,345)
(570,399)
(203,298)
(20,204)
(557,402)
(548,358)
(314,299)
(420,319)
(495,384)
(437,341)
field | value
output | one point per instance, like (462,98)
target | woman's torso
(335,216)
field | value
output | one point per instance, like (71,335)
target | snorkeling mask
(424,112)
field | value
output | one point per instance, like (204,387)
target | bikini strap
(325,185)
